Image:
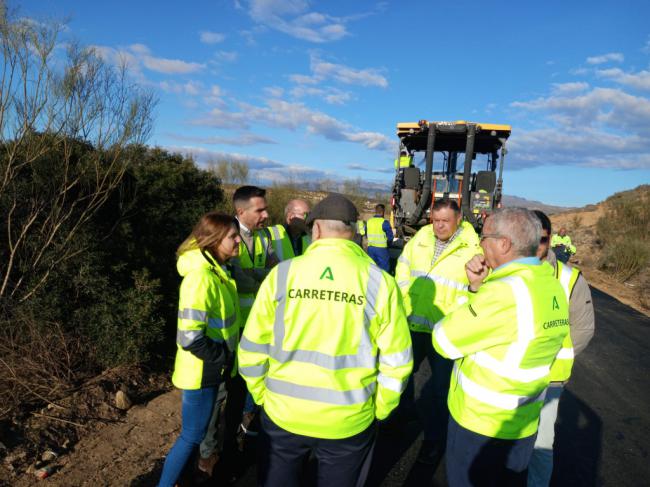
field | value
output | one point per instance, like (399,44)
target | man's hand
(476,270)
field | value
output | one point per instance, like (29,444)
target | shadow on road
(578,443)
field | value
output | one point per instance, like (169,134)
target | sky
(305,90)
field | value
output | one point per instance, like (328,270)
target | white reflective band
(221,323)
(403,283)
(525,321)
(278,248)
(397,359)
(420,320)
(246,302)
(404,261)
(255,370)
(249,346)
(192,314)
(565,280)
(320,394)
(497,399)
(441,338)
(443,281)
(331,362)
(505,370)
(391,383)
(186,337)
(565,354)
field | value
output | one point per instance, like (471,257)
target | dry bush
(624,232)
(39,363)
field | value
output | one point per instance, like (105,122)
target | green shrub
(624,233)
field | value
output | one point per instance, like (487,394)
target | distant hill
(532,205)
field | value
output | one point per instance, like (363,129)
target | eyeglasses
(491,235)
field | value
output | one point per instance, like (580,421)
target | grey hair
(521,226)
(336,226)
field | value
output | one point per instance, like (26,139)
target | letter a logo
(327,274)
(555,303)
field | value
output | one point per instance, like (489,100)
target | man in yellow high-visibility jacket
(581,331)
(291,238)
(326,351)
(380,236)
(504,341)
(562,246)
(431,276)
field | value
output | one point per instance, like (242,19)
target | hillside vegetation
(613,241)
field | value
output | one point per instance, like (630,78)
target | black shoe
(430,453)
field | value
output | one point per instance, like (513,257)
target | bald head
(297,208)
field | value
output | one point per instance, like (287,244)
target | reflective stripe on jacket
(326,348)
(282,242)
(433,289)
(561,368)
(208,321)
(261,244)
(376,235)
(504,340)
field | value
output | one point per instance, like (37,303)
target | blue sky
(311,90)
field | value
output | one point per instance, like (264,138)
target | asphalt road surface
(603,430)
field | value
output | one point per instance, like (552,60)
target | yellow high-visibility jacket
(557,240)
(503,341)
(433,289)
(561,368)
(261,244)
(376,235)
(282,242)
(326,348)
(208,321)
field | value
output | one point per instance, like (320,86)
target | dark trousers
(433,395)
(341,463)
(477,460)
(235,401)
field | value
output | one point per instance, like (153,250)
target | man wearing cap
(291,238)
(326,351)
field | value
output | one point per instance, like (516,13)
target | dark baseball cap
(334,206)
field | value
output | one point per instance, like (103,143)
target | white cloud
(294,116)
(294,18)
(191,88)
(303,79)
(604,58)
(227,56)
(640,80)
(208,37)
(322,71)
(598,127)
(568,88)
(347,75)
(333,96)
(274,91)
(240,139)
(139,55)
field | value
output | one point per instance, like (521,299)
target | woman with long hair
(208,330)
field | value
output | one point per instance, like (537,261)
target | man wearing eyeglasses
(582,324)
(291,238)
(432,280)
(503,342)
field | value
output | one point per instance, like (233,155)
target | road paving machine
(466,156)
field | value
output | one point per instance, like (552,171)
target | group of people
(299,327)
